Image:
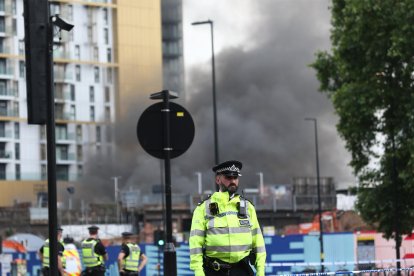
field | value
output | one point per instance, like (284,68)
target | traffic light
(36,27)
(159,237)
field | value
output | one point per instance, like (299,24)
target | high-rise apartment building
(113,52)
(172,46)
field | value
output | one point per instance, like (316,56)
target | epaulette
(203,200)
(242,196)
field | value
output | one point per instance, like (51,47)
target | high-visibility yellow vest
(132,261)
(219,231)
(89,257)
(46,254)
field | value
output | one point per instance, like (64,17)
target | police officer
(44,253)
(225,233)
(130,260)
(94,254)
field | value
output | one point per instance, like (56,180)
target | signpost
(166,130)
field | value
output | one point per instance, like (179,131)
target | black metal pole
(216,146)
(322,255)
(170,265)
(213,74)
(51,156)
(318,183)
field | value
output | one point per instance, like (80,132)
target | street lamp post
(200,184)
(216,147)
(115,178)
(315,123)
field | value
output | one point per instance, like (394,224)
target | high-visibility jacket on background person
(89,257)
(132,261)
(220,232)
(46,254)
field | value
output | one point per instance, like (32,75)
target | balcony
(67,137)
(6,134)
(65,157)
(5,154)
(66,116)
(7,72)
(8,92)
(9,112)
(66,76)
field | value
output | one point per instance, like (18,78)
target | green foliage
(369,77)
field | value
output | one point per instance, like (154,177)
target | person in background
(94,254)
(73,265)
(130,259)
(44,254)
(225,235)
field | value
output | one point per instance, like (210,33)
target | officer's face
(227,183)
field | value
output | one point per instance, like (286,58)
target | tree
(369,77)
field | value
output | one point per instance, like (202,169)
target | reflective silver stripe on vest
(196,232)
(230,248)
(260,249)
(229,213)
(226,230)
(256,231)
(196,250)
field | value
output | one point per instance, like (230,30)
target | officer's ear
(217,179)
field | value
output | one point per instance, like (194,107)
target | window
(16,130)
(2,129)
(18,174)
(42,132)
(21,69)
(72,112)
(78,72)
(98,134)
(79,133)
(109,74)
(91,94)
(90,34)
(2,25)
(79,152)
(21,47)
(96,73)
(92,113)
(106,36)
(62,153)
(3,66)
(3,87)
(43,170)
(107,94)
(54,8)
(62,172)
(42,152)
(95,53)
(3,108)
(2,171)
(77,52)
(61,132)
(17,151)
(109,54)
(105,16)
(107,113)
(72,92)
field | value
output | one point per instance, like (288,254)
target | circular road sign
(150,130)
